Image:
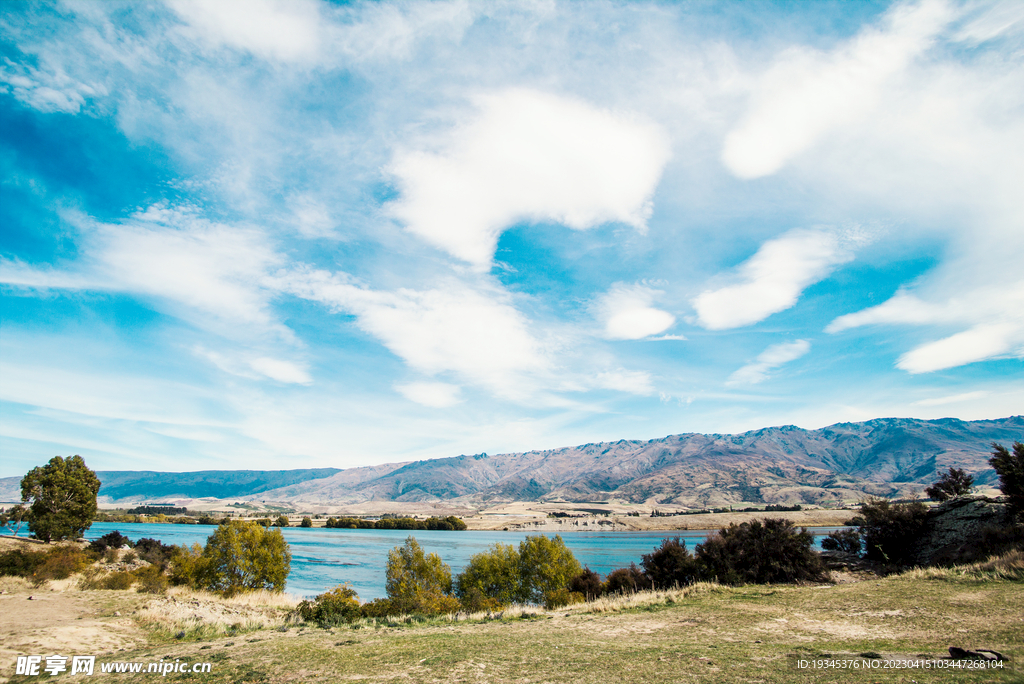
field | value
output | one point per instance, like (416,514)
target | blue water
(323,558)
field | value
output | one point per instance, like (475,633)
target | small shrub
(950,485)
(771,551)
(339,605)
(111,540)
(306,522)
(627,581)
(130,557)
(21,563)
(111,555)
(155,552)
(117,581)
(62,562)
(282,521)
(417,581)
(846,541)
(474,601)
(890,531)
(378,608)
(151,579)
(562,597)
(588,584)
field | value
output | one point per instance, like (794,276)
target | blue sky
(271,234)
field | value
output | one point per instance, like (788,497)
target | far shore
(517,516)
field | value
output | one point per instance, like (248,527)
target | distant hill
(219,484)
(784,465)
(846,461)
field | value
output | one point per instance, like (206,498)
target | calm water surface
(322,558)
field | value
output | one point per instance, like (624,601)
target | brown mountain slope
(846,461)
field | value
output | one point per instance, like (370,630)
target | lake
(323,558)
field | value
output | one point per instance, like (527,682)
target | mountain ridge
(780,465)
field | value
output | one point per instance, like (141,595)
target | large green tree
(418,582)
(244,555)
(63,495)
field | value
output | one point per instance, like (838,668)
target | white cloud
(283,30)
(772,279)
(767,361)
(633,382)
(472,331)
(528,156)
(628,314)
(995,315)
(281,370)
(953,399)
(46,91)
(432,394)
(807,94)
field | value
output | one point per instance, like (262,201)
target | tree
(951,485)
(13,519)
(1010,468)
(282,521)
(771,551)
(493,574)
(63,495)
(243,556)
(418,582)
(306,522)
(890,531)
(671,565)
(545,566)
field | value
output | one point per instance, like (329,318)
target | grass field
(705,633)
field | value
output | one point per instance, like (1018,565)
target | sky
(271,234)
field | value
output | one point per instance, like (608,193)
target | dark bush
(111,540)
(771,551)
(587,583)
(627,581)
(155,552)
(21,563)
(847,541)
(1010,468)
(306,522)
(339,605)
(950,485)
(671,565)
(890,531)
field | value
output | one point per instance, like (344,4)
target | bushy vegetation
(450,522)
(306,522)
(846,541)
(238,556)
(337,606)
(418,582)
(771,551)
(538,571)
(627,581)
(111,540)
(1010,468)
(890,530)
(55,563)
(671,565)
(956,482)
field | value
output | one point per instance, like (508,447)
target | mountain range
(889,457)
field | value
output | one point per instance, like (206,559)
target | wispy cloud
(806,94)
(771,359)
(772,280)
